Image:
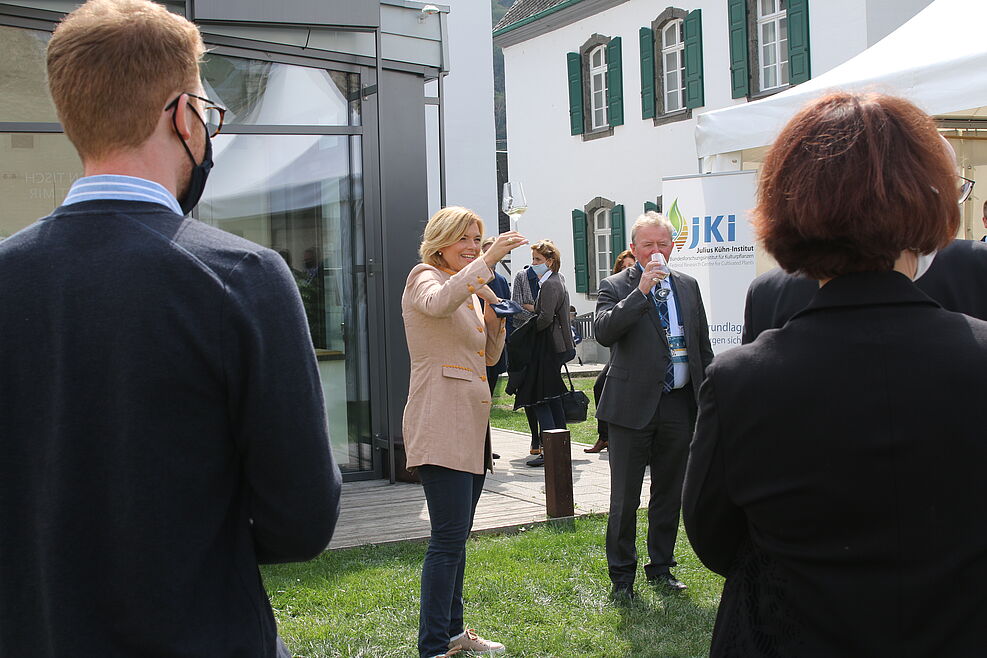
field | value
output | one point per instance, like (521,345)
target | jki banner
(714,243)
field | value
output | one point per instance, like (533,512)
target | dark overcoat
(836,479)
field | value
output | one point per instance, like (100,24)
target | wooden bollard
(558,473)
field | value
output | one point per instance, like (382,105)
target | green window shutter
(693,28)
(615,84)
(581,250)
(798,41)
(617,241)
(647,37)
(575,70)
(739,67)
(650,206)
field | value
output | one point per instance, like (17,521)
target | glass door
(286,179)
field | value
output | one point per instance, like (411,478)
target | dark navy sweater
(162,430)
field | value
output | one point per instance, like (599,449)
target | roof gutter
(534,17)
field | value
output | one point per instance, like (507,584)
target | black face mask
(200,171)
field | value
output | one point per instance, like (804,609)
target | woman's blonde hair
(443,229)
(549,251)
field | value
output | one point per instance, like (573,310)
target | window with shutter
(777,53)
(675,58)
(596,82)
(593,241)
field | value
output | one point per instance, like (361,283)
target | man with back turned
(161,417)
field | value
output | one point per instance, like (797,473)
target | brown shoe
(473,643)
(599,446)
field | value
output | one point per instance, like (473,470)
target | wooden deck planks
(377,512)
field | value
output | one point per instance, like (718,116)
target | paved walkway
(376,512)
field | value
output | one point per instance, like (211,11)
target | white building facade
(602,97)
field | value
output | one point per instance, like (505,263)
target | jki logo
(703,230)
(711,227)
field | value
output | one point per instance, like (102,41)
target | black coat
(957,279)
(772,298)
(537,348)
(837,479)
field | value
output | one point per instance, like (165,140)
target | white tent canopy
(938,60)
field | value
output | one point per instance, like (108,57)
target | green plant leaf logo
(679,224)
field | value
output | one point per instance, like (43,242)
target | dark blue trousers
(451,496)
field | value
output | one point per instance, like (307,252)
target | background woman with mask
(541,387)
(524,291)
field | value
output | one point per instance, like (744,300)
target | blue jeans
(550,414)
(451,496)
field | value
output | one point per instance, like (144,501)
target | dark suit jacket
(772,298)
(627,323)
(957,279)
(837,479)
(163,431)
(503,290)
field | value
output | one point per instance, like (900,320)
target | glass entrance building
(321,158)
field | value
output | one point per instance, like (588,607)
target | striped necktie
(662,305)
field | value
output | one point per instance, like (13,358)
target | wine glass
(514,203)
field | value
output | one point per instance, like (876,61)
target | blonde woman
(446,432)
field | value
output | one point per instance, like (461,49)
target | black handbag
(574,403)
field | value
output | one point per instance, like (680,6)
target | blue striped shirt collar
(120,188)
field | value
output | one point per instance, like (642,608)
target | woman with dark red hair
(837,475)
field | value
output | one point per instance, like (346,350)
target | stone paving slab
(377,512)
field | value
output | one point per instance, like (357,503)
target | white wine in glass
(514,202)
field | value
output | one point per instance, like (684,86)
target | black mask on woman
(200,171)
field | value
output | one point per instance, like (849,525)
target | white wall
(471,164)
(561,172)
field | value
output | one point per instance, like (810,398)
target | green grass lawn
(503,416)
(543,592)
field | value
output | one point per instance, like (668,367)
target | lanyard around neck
(675,299)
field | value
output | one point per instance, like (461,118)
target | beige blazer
(445,420)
